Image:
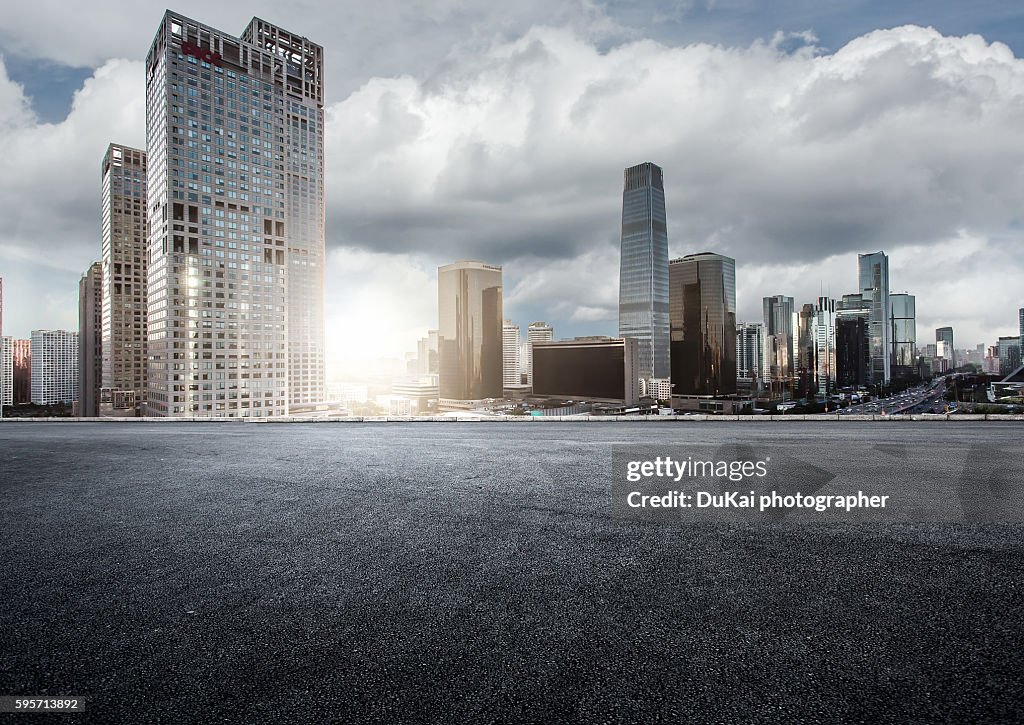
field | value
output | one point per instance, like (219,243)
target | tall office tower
(1009,354)
(805,355)
(90,340)
(6,372)
(779,344)
(873,274)
(823,336)
(1020,319)
(750,367)
(702,319)
(21,361)
(125,261)
(510,353)
(536,332)
(236,220)
(54,366)
(5,376)
(643,268)
(944,335)
(903,333)
(469,331)
(851,351)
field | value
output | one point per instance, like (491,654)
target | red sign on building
(195,51)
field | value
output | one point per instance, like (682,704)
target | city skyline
(560,258)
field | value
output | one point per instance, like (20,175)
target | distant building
(804,356)
(426,354)
(643,268)
(750,362)
(420,392)
(54,367)
(590,369)
(21,363)
(1009,354)
(851,351)
(873,273)
(823,336)
(125,262)
(779,319)
(702,317)
(510,365)
(469,307)
(903,333)
(944,345)
(6,372)
(536,332)
(90,340)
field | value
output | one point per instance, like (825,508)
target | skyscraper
(90,342)
(1009,354)
(903,332)
(1020,320)
(702,304)
(823,336)
(944,335)
(536,332)
(469,331)
(236,218)
(6,372)
(643,268)
(54,367)
(873,274)
(779,344)
(750,367)
(21,362)
(806,351)
(125,262)
(510,353)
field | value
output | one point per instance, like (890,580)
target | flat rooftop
(452,573)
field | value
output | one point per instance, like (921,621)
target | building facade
(944,345)
(90,341)
(873,275)
(510,364)
(54,367)
(779,327)
(643,268)
(823,335)
(6,372)
(587,369)
(236,220)
(469,306)
(702,304)
(125,255)
(21,364)
(903,332)
(536,332)
(750,363)
(1009,354)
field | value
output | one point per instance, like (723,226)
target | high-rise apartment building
(469,309)
(944,343)
(779,328)
(21,362)
(536,332)
(750,366)
(125,253)
(903,333)
(54,367)
(873,276)
(702,304)
(236,220)
(643,268)
(510,353)
(90,342)
(6,372)
(1020,320)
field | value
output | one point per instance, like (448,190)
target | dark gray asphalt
(458,572)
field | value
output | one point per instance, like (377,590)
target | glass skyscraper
(236,220)
(643,269)
(702,315)
(779,331)
(904,335)
(873,274)
(944,335)
(469,334)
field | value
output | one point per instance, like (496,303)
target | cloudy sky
(794,134)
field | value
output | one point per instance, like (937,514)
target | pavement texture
(461,572)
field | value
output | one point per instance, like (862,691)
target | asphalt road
(460,572)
